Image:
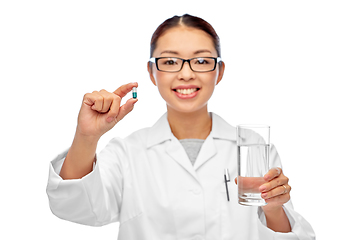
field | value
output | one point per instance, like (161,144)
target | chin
(187,109)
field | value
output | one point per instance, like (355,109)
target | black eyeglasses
(173,64)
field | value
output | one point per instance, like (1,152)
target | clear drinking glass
(253,143)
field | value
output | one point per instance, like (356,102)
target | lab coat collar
(221,129)
(161,130)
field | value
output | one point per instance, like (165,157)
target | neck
(190,125)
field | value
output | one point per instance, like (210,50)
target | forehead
(185,41)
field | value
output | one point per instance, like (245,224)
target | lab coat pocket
(226,211)
(236,220)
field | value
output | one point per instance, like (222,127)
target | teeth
(186,91)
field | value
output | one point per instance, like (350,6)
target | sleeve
(96,198)
(300,228)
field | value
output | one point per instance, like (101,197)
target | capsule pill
(134,92)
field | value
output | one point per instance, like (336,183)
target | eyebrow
(197,52)
(202,51)
(169,51)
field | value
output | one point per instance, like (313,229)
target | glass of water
(253,143)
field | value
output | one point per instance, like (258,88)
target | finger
(89,99)
(280,190)
(125,89)
(272,173)
(97,100)
(107,100)
(114,108)
(278,181)
(280,199)
(126,108)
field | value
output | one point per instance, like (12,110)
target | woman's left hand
(276,191)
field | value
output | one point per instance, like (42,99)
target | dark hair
(188,21)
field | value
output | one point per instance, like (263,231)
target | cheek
(210,84)
(163,84)
(211,79)
(159,76)
(161,80)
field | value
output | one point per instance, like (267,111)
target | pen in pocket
(227,179)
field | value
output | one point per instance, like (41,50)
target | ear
(150,70)
(221,72)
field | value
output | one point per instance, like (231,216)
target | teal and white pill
(134,92)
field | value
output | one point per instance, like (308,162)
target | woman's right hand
(101,111)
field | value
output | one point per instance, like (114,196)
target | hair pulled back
(188,21)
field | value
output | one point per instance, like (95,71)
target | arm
(276,193)
(79,160)
(281,220)
(277,220)
(74,193)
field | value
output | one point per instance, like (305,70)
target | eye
(169,61)
(201,61)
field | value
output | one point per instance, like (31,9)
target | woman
(166,182)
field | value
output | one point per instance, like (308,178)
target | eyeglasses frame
(155,60)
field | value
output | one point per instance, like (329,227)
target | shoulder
(138,137)
(122,148)
(148,136)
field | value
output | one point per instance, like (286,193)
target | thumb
(125,109)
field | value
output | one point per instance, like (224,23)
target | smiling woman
(177,54)
(166,181)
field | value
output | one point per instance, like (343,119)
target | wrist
(268,209)
(276,218)
(85,138)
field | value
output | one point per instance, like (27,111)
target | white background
(291,64)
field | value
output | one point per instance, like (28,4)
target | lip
(185,87)
(186,96)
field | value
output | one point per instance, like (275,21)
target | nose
(186,73)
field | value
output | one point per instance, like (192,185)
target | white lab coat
(147,183)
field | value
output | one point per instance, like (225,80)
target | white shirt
(147,184)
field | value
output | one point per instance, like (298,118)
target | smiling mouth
(186,91)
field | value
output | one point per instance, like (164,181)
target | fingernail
(110,119)
(262,188)
(264,195)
